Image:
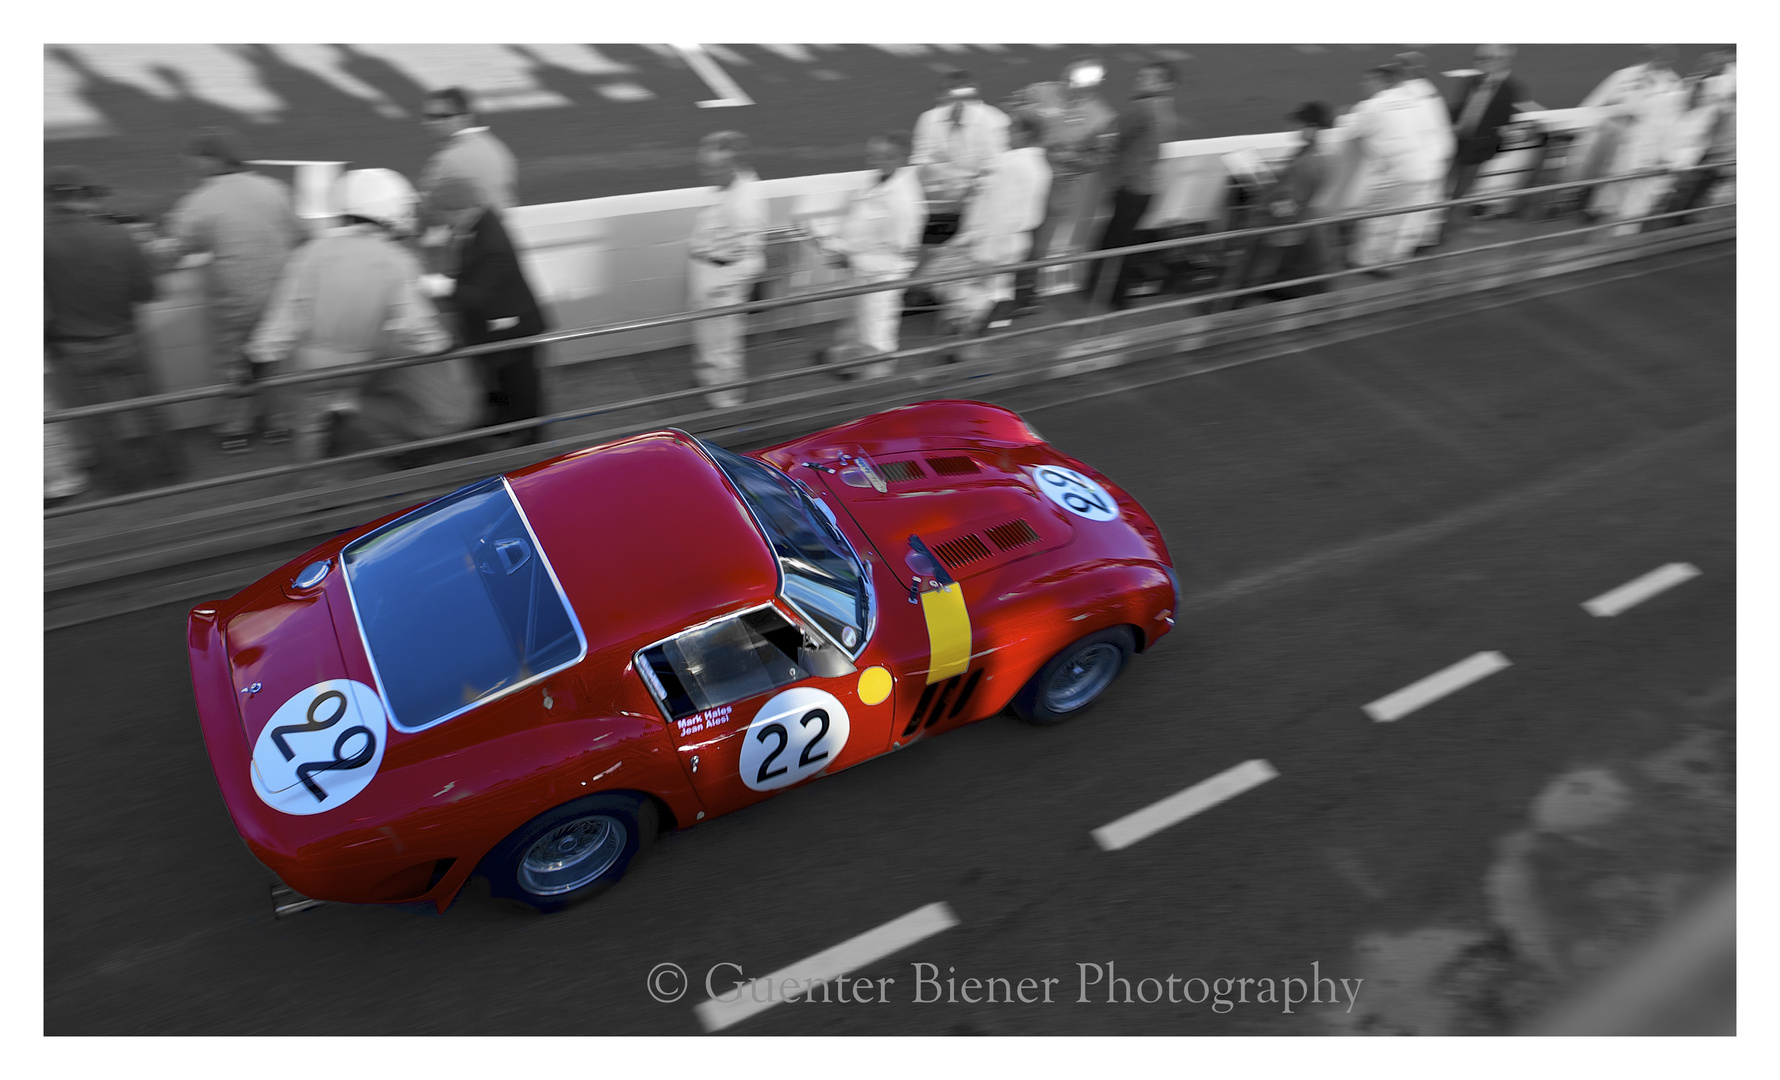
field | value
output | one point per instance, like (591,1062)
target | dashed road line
(790,982)
(1638,590)
(728,93)
(1436,686)
(1182,805)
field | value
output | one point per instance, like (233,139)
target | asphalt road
(1346,521)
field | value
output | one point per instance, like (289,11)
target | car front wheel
(1074,678)
(574,852)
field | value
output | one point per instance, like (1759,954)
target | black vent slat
(900,472)
(970,687)
(961,550)
(939,706)
(1012,534)
(952,466)
(920,707)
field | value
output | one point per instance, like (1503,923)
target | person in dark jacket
(1486,103)
(94,275)
(492,301)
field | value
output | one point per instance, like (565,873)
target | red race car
(532,676)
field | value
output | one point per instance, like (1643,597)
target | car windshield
(824,580)
(457,604)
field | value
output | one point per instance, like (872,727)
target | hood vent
(952,466)
(900,472)
(1013,534)
(961,551)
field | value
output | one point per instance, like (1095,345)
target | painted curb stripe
(948,632)
(1436,686)
(1640,589)
(1182,805)
(829,964)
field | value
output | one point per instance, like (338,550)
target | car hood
(974,509)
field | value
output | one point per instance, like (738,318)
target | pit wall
(623,257)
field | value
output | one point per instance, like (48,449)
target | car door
(758,702)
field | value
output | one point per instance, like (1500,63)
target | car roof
(646,537)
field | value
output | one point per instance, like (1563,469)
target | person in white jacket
(1437,145)
(1640,106)
(997,227)
(879,240)
(727,253)
(1387,130)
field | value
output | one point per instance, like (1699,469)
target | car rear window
(457,604)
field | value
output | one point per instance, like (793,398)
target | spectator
(1145,124)
(1386,131)
(1641,104)
(246,223)
(94,275)
(727,253)
(467,150)
(1705,134)
(351,296)
(1293,198)
(63,474)
(1078,129)
(492,302)
(1437,143)
(997,226)
(879,240)
(1486,103)
(954,142)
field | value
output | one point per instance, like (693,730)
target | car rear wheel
(574,852)
(1074,678)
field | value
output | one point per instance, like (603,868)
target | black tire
(596,838)
(1059,692)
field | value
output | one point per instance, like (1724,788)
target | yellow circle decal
(874,685)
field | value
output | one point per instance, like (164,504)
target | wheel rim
(1082,677)
(572,854)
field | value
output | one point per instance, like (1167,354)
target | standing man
(1642,104)
(94,275)
(492,301)
(246,222)
(998,224)
(1386,130)
(1078,128)
(954,142)
(351,296)
(1437,144)
(1293,198)
(727,253)
(879,240)
(467,150)
(1486,103)
(1145,124)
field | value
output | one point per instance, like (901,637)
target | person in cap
(246,223)
(997,228)
(1295,197)
(1640,106)
(94,276)
(467,150)
(1385,131)
(1486,103)
(1079,135)
(1146,123)
(954,142)
(488,293)
(725,255)
(352,296)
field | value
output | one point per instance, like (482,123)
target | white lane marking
(1182,805)
(728,93)
(829,964)
(1640,589)
(1436,686)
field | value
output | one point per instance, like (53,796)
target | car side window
(740,657)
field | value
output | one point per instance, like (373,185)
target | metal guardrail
(1089,322)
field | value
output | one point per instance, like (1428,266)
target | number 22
(804,759)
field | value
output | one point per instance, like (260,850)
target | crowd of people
(407,269)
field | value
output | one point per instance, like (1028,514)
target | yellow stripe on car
(948,631)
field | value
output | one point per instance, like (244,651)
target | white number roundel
(1075,493)
(320,748)
(795,735)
